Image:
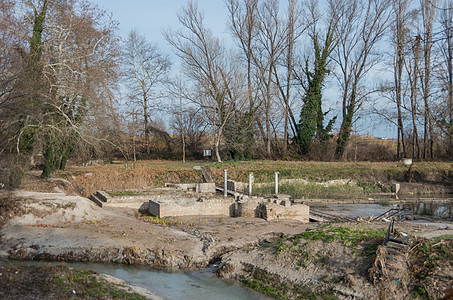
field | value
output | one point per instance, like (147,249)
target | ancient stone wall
(205,207)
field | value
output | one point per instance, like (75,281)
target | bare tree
(400,12)
(414,75)
(145,68)
(81,60)
(191,127)
(9,58)
(361,26)
(428,13)
(272,43)
(69,60)
(446,71)
(243,25)
(218,82)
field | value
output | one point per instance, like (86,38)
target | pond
(439,207)
(202,284)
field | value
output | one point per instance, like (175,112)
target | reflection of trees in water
(443,209)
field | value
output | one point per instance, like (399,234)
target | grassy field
(366,176)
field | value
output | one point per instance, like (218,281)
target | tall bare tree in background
(400,30)
(243,25)
(361,26)
(145,69)
(428,14)
(414,94)
(295,29)
(412,67)
(218,83)
(446,73)
(271,46)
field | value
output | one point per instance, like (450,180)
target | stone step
(133,205)
(96,200)
(128,200)
(103,196)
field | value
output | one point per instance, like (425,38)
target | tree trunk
(415,141)
(216,147)
(268,111)
(398,70)
(145,122)
(346,124)
(448,35)
(290,46)
(429,11)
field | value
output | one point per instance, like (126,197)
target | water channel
(170,285)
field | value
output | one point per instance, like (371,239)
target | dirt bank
(339,261)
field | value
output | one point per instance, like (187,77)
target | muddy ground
(57,226)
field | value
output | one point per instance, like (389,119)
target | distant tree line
(70,87)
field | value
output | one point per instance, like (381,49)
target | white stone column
(250,183)
(276,183)
(225,183)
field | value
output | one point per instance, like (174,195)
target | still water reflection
(438,209)
(441,208)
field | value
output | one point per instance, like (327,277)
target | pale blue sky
(151,17)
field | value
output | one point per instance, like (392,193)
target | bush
(12,171)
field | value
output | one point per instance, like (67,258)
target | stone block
(396,188)
(271,211)
(247,209)
(234,186)
(154,208)
(206,187)
(103,196)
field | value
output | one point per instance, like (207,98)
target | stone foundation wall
(250,208)
(209,207)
